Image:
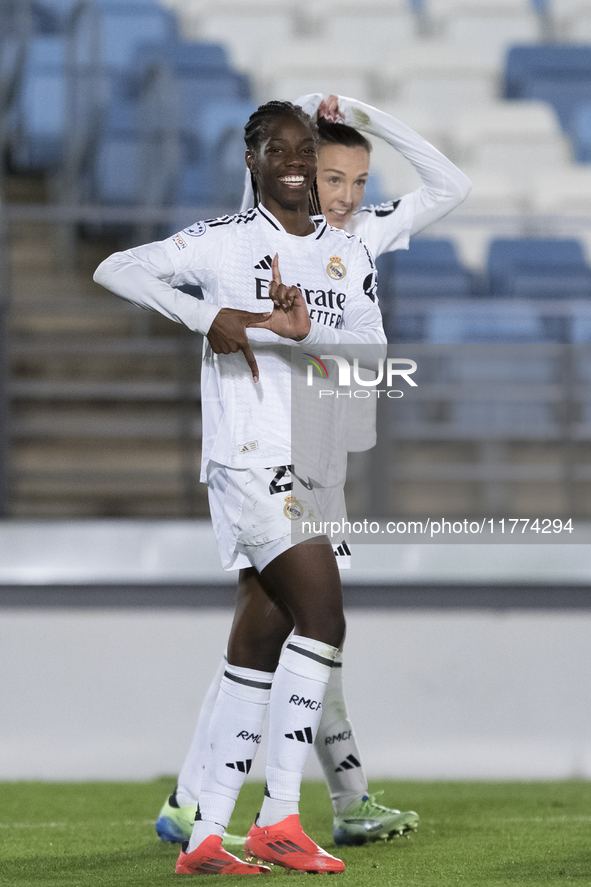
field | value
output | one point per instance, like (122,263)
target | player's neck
(295,219)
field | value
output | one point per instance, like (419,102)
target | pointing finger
(275,270)
(250,359)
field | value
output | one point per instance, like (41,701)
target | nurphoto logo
(388,369)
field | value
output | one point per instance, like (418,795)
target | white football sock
(189,781)
(234,736)
(294,715)
(336,746)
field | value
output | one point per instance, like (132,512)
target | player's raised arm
(329,110)
(444,186)
(144,276)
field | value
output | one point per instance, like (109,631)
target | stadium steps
(104,397)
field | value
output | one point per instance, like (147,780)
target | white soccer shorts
(258,513)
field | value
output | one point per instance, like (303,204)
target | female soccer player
(343,169)
(246,427)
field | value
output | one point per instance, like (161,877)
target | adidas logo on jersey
(242,766)
(299,735)
(342,550)
(248,447)
(264,264)
(349,763)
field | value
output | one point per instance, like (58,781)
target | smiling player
(246,428)
(343,168)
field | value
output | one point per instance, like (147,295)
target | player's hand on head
(290,318)
(227,334)
(329,109)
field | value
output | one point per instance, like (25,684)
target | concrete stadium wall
(113,692)
(159,552)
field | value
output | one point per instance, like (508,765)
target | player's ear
(250,158)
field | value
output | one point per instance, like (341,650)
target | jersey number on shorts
(276,487)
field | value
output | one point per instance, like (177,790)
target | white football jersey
(389,226)
(248,425)
(386,227)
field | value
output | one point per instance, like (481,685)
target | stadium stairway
(104,398)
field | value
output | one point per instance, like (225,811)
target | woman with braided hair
(343,169)
(238,261)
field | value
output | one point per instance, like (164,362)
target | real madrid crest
(293,508)
(335,268)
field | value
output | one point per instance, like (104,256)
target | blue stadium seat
(195,90)
(117,178)
(209,94)
(430,269)
(484,323)
(212,166)
(14,37)
(506,420)
(580,132)
(559,74)
(219,172)
(547,60)
(117,172)
(185,58)
(45,21)
(212,103)
(40,120)
(564,93)
(207,104)
(126,26)
(40,113)
(538,268)
(120,161)
(51,16)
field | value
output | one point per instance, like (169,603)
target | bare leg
(304,592)
(261,625)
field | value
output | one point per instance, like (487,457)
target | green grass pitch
(473,834)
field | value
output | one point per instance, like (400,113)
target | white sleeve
(144,275)
(310,104)
(444,186)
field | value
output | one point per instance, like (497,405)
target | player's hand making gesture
(290,317)
(227,334)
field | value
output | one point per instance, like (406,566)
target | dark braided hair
(255,132)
